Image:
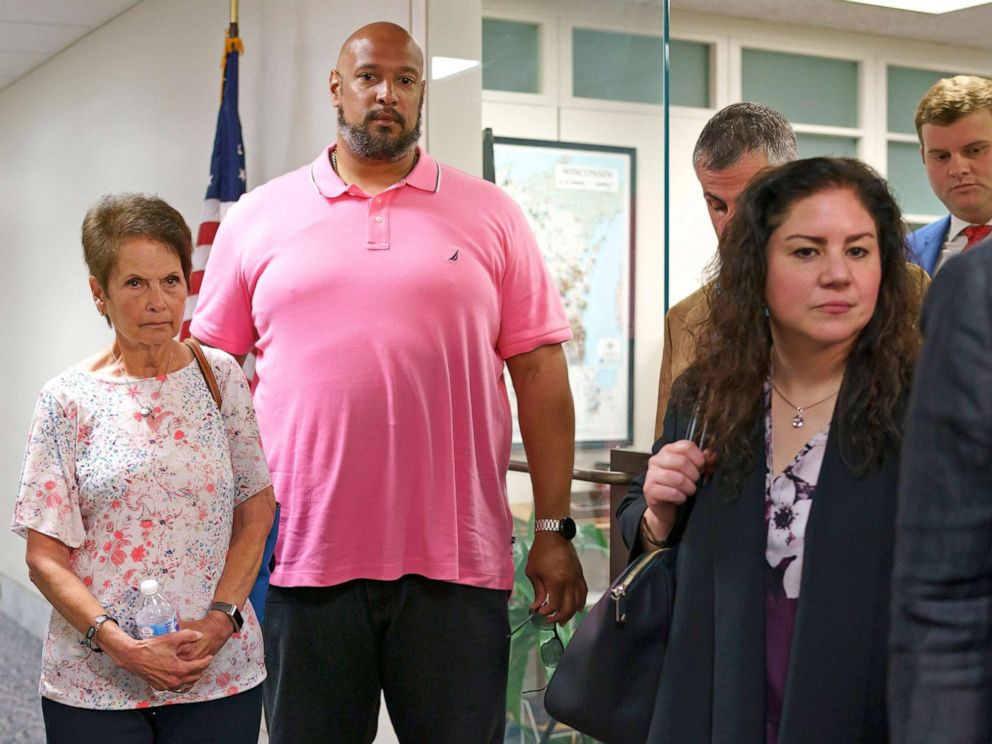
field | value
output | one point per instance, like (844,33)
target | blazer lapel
(739,607)
(846,567)
(934,239)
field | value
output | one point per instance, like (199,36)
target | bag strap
(205,369)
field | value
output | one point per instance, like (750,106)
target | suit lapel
(739,606)
(934,236)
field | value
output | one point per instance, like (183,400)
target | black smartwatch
(564,527)
(232,612)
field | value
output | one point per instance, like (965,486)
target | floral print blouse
(788,501)
(137,498)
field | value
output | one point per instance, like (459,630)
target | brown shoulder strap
(204,365)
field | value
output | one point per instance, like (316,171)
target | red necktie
(976,234)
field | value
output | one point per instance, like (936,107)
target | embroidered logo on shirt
(453,256)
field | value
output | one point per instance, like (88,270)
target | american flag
(227,184)
(227,174)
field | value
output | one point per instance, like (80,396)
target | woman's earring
(103,314)
(767,314)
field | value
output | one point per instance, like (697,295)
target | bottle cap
(149,587)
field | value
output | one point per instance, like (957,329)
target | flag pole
(234,18)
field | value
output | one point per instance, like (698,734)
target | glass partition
(573,95)
(582,132)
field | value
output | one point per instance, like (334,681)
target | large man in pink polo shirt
(384,292)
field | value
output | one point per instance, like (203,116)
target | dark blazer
(941,678)
(713,681)
(925,244)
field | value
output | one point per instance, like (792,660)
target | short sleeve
(223,317)
(532,313)
(251,472)
(48,497)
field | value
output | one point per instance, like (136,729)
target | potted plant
(524,643)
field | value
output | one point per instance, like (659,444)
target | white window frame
(547,40)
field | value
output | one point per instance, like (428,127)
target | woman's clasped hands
(164,661)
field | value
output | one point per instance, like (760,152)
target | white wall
(454,29)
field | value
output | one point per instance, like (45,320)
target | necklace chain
(799,420)
(334,162)
(145,410)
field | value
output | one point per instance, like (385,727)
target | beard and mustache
(365,141)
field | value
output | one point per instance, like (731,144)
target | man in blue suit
(954,124)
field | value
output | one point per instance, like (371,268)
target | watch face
(567,529)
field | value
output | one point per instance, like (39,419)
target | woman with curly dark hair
(800,379)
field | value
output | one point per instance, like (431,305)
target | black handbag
(607,679)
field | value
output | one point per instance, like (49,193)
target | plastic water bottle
(156,616)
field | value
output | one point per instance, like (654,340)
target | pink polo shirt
(381,326)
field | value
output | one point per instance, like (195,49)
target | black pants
(230,720)
(437,652)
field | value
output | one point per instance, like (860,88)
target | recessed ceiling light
(443,67)
(924,6)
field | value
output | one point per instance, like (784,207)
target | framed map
(579,202)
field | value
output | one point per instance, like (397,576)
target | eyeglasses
(551,649)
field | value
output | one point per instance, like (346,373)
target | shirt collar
(957,225)
(426,175)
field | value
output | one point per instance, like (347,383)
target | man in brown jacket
(735,144)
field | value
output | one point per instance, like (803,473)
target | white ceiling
(31,31)
(971,27)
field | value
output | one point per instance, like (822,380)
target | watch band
(88,640)
(564,526)
(232,612)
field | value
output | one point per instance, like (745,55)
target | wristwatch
(87,640)
(564,527)
(231,611)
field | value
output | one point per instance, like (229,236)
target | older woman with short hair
(135,471)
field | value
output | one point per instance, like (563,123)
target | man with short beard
(384,291)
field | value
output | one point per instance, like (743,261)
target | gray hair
(741,128)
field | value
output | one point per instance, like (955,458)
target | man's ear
(923,155)
(335,87)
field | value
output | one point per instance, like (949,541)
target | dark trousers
(437,651)
(230,720)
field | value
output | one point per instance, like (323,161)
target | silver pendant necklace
(144,409)
(799,419)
